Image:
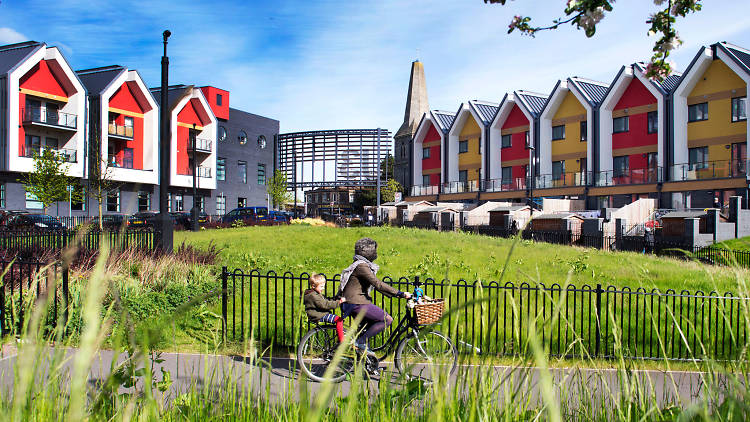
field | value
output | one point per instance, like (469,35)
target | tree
(386,168)
(49,182)
(277,189)
(586,14)
(388,192)
(101,183)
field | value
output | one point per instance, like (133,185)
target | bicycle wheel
(429,355)
(315,353)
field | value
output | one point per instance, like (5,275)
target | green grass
(741,244)
(409,252)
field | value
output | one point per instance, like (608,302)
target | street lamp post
(164,233)
(194,211)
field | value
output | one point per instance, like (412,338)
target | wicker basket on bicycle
(429,312)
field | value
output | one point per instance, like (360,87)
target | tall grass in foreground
(53,383)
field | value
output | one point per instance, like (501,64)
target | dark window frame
(625,128)
(509,144)
(652,122)
(559,136)
(427,151)
(463,146)
(736,117)
(583,128)
(693,116)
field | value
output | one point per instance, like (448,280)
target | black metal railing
(49,117)
(67,155)
(26,284)
(36,240)
(628,176)
(497,318)
(202,145)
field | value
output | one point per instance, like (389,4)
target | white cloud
(10,36)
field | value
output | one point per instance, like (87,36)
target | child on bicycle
(318,306)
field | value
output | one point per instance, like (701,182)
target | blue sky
(345,64)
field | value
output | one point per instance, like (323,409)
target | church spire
(416,101)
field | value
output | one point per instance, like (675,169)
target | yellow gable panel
(718,77)
(570,106)
(470,128)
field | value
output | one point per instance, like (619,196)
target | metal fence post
(598,318)
(224,276)
(66,297)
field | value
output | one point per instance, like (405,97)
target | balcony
(203,172)
(544,181)
(49,118)
(461,186)
(66,155)
(202,145)
(120,131)
(420,190)
(499,185)
(639,176)
(122,163)
(708,170)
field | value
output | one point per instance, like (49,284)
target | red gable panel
(43,78)
(212,95)
(636,94)
(124,99)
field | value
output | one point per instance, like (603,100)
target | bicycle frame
(405,324)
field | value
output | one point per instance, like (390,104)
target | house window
(221,205)
(200,202)
(653,121)
(739,109)
(32,202)
(144,201)
(127,158)
(558,169)
(558,132)
(463,146)
(507,175)
(79,204)
(526,139)
(426,152)
(169,202)
(697,112)
(113,201)
(243,171)
(33,146)
(463,176)
(222,133)
(652,160)
(218,99)
(698,158)
(507,141)
(242,137)
(261,174)
(241,202)
(620,166)
(179,203)
(221,168)
(425,180)
(2,195)
(129,126)
(620,124)
(584,131)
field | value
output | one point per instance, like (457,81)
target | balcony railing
(561,180)
(204,172)
(121,130)
(49,117)
(499,185)
(709,170)
(202,145)
(67,155)
(639,176)
(420,190)
(461,186)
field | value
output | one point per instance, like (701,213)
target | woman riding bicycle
(357,282)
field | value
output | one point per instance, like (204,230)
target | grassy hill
(409,252)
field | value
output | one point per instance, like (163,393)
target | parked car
(143,219)
(246,214)
(185,219)
(32,222)
(113,221)
(280,216)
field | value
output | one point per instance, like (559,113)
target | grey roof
(174,94)
(594,91)
(413,203)
(741,55)
(510,208)
(533,101)
(12,54)
(668,84)
(485,110)
(388,204)
(443,119)
(97,79)
(684,214)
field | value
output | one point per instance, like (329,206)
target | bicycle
(420,352)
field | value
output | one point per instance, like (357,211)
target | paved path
(277,379)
